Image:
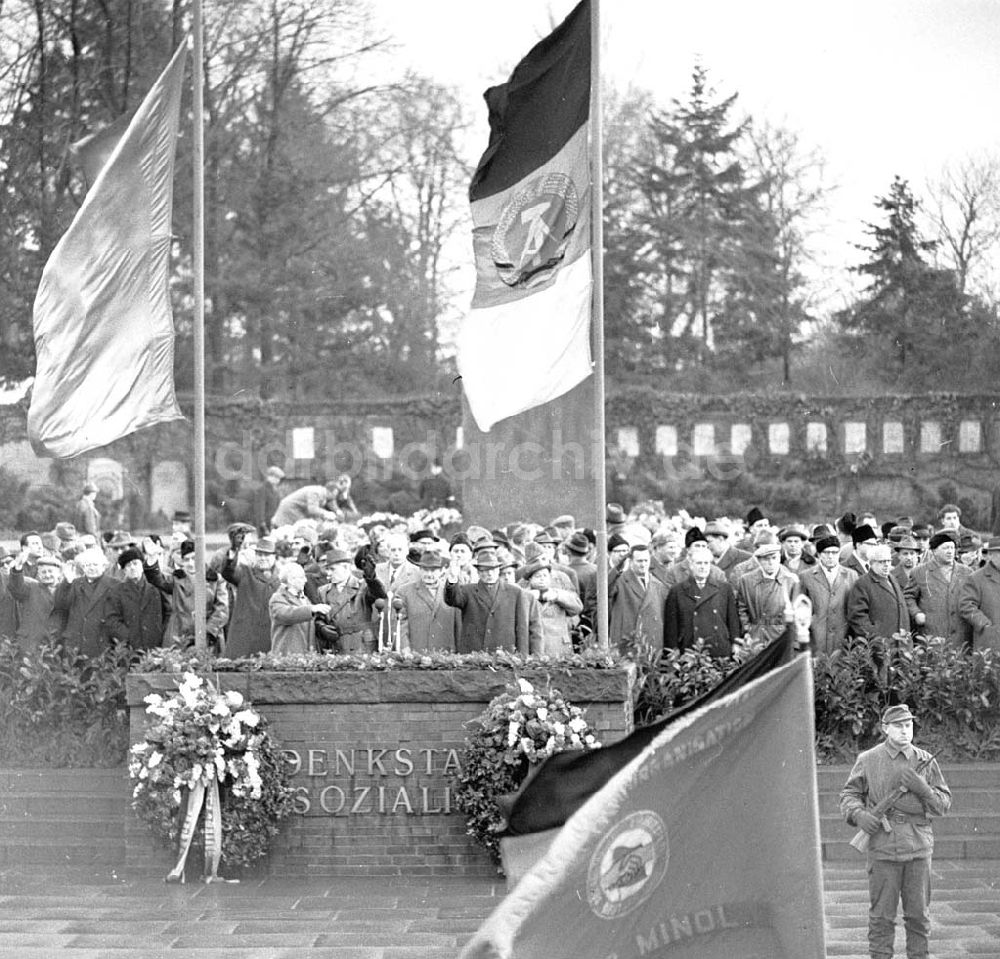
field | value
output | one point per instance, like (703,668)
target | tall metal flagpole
(198,253)
(597,317)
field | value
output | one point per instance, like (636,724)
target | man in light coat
(292,614)
(934,592)
(979,603)
(33,600)
(426,621)
(828,585)
(764,595)
(637,603)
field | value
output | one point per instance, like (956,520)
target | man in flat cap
(33,599)
(764,595)
(901,841)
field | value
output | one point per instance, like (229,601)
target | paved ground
(87,914)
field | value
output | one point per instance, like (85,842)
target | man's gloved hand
(866,821)
(914,782)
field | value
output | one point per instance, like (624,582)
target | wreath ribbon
(208,797)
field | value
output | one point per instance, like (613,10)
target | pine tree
(699,207)
(910,306)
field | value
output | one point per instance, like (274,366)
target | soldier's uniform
(899,861)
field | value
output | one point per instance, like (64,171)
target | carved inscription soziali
(370,780)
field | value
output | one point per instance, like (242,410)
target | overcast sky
(880,87)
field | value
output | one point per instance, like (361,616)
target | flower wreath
(199,738)
(518,729)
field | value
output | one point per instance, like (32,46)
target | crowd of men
(310,578)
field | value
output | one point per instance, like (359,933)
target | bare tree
(794,195)
(964,210)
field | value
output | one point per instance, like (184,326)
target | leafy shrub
(60,709)
(954,694)
(674,677)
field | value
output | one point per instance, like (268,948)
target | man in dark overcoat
(78,607)
(876,607)
(136,611)
(254,584)
(698,608)
(495,614)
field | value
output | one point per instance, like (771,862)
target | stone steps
(53,817)
(80,816)
(970,831)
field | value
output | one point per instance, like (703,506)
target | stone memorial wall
(375,756)
(883,451)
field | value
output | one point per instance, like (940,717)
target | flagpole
(597,317)
(198,253)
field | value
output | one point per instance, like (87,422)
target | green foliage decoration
(673,677)
(518,729)
(179,661)
(59,709)
(954,694)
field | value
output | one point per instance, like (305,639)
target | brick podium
(375,755)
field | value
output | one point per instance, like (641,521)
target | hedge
(60,710)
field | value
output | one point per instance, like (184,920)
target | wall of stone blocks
(375,759)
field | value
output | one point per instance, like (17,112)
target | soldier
(901,841)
